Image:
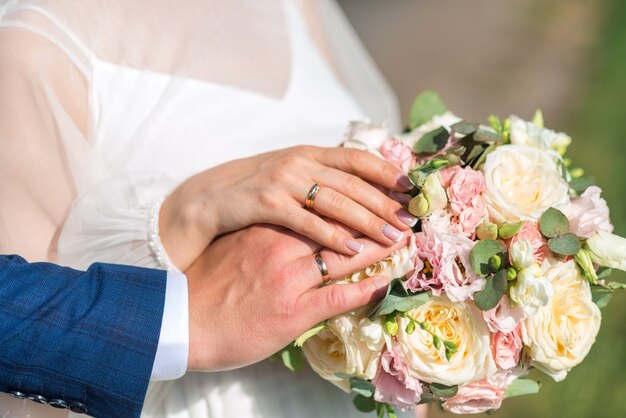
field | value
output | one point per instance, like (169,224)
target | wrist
(185,226)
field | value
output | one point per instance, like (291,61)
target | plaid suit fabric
(88,337)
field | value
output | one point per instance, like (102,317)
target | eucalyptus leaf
(402,303)
(362,387)
(616,285)
(483,157)
(364,403)
(310,333)
(566,244)
(476,151)
(553,223)
(581,184)
(509,229)
(426,106)
(464,127)
(443,391)
(603,273)
(292,358)
(432,142)
(481,254)
(428,398)
(521,387)
(490,296)
(601,299)
(484,135)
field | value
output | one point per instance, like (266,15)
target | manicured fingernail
(392,233)
(404,181)
(406,218)
(355,246)
(401,198)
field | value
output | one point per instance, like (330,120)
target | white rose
(399,263)
(531,290)
(458,322)
(342,348)
(371,333)
(522,182)
(561,334)
(607,250)
(522,254)
(527,133)
(446,120)
(366,136)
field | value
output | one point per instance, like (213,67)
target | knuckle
(353,157)
(267,199)
(353,183)
(338,202)
(336,298)
(310,224)
(389,173)
(374,224)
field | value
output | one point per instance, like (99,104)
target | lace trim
(154,241)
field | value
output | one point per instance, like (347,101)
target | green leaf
(604,273)
(521,387)
(490,296)
(391,413)
(310,333)
(495,122)
(566,244)
(581,184)
(443,391)
(615,285)
(601,299)
(481,159)
(380,410)
(464,127)
(362,387)
(397,299)
(432,141)
(426,106)
(364,403)
(428,398)
(509,229)
(487,136)
(292,358)
(553,223)
(481,254)
(476,152)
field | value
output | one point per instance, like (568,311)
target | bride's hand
(272,188)
(254,291)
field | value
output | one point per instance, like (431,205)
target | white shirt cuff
(172,352)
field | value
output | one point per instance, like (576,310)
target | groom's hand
(254,291)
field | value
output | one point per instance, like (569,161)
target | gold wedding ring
(310,197)
(322,267)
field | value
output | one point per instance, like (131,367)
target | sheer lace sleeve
(57,200)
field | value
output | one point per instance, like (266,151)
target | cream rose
(522,182)
(560,335)
(346,345)
(527,133)
(457,322)
(366,136)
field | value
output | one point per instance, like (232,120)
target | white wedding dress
(111,104)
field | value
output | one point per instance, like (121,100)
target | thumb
(335,299)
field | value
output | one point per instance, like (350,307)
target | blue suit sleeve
(86,339)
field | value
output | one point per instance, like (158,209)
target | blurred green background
(511,56)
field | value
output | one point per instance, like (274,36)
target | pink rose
(473,215)
(397,153)
(447,174)
(530,232)
(589,214)
(475,398)
(504,317)
(506,348)
(394,384)
(465,185)
(442,262)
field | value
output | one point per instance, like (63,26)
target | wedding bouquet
(505,271)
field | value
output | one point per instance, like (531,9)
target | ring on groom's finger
(310,196)
(322,267)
